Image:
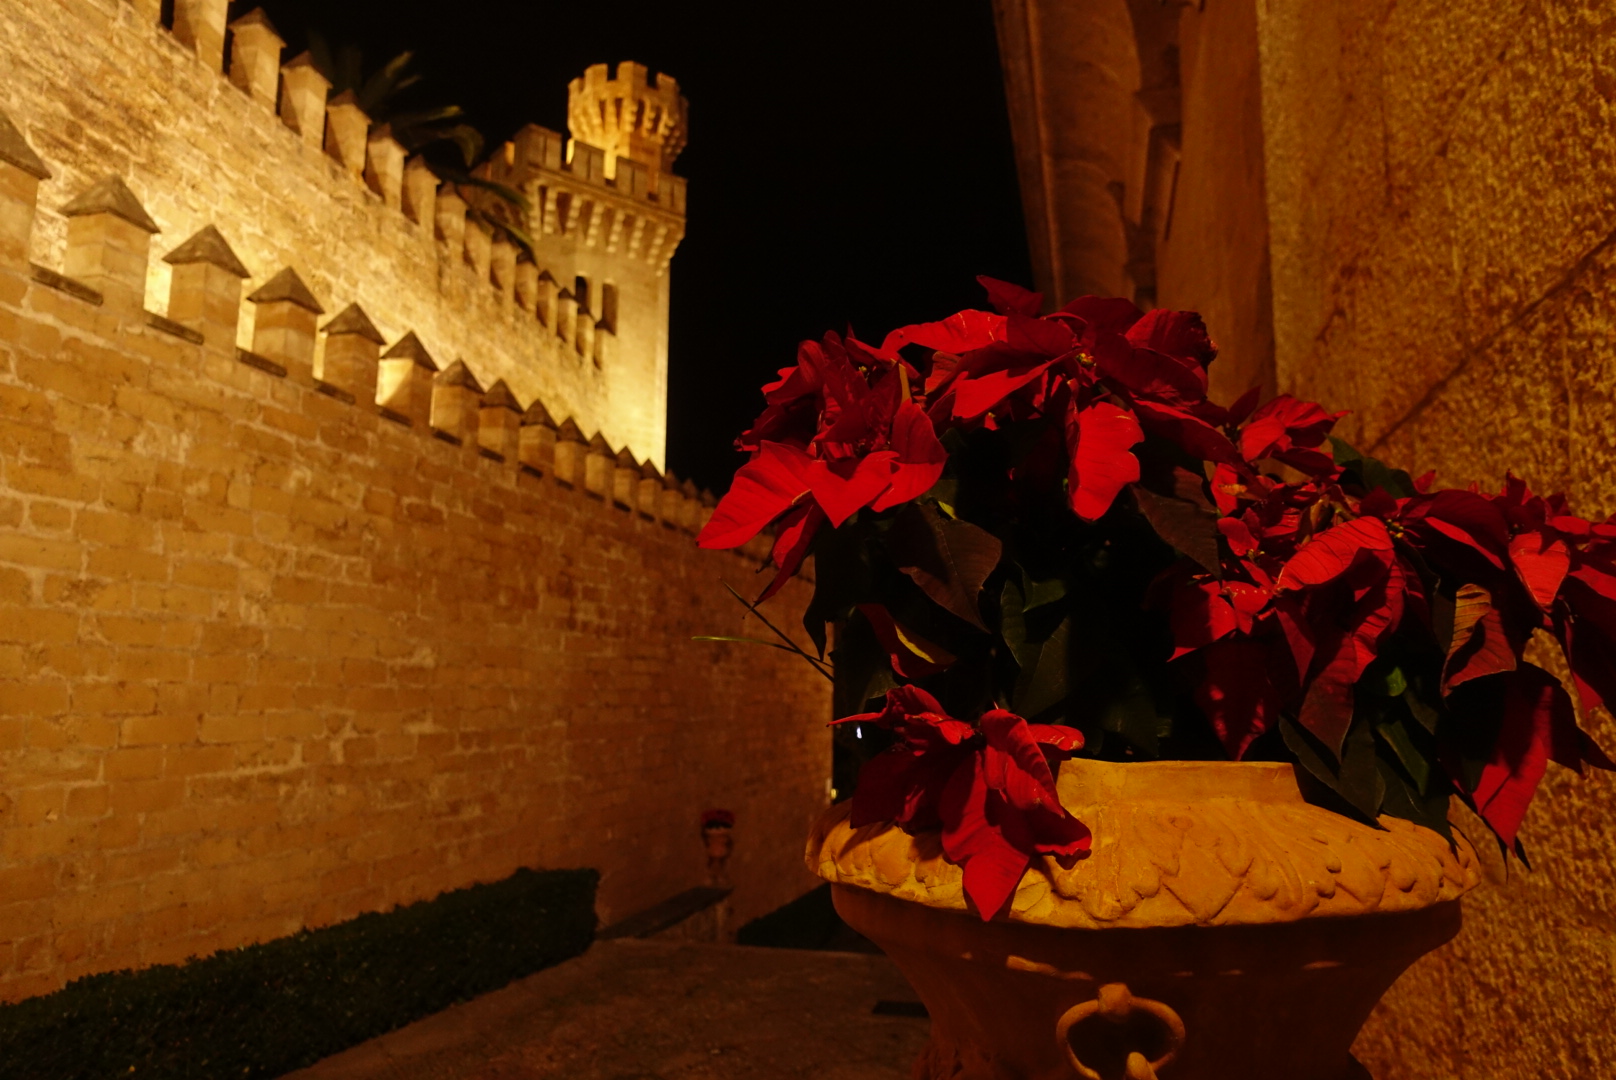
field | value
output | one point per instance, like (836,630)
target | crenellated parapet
(630,114)
(345,358)
(301,177)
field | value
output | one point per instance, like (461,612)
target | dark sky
(849,161)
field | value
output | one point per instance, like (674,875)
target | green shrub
(265,1010)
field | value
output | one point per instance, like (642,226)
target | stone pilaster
(502,264)
(544,305)
(450,214)
(499,422)
(649,499)
(479,249)
(255,57)
(384,166)
(420,192)
(537,447)
(200,24)
(204,290)
(673,501)
(566,320)
(404,381)
(455,400)
(584,333)
(626,480)
(303,92)
(526,292)
(347,129)
(20,174)
(283,325)
(108,243)
(599,464)
(571,448)
(347,366)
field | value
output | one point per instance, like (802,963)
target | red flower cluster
(989,787)
(1300,574)
(851,426)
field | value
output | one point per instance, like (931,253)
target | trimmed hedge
(265,1010)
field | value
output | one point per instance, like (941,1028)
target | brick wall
(99,87)
(269,659)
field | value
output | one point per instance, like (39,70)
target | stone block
(499,422)
(537,438)
(255,57)
(283,324)
(348,363)
(626,480)
(347,132)
(648,498)
(109,243)
(420,194)
(404,381)
(526,291)
(384,166)
(455,402)
(20,174)
(303,94)
(450,215)
(479,250)
(566,319)
(502,265)
(571,448)
(599,465)
(204,292)
(200,24)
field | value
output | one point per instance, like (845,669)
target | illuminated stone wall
(293,625)
(1401,209)
(1439,181)
(211,128)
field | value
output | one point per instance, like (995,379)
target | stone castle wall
(272,656)
(209,128)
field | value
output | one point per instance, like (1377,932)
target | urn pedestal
(1221,928)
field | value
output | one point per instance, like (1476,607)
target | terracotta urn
(1221,928)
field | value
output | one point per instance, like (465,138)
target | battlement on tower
(214,126)
(630,114)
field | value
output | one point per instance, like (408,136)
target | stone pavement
(659,1010)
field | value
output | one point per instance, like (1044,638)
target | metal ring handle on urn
(1115,1003)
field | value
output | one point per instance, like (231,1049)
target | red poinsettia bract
(989,786)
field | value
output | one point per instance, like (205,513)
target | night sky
(849,161)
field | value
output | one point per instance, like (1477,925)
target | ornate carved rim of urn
(1221,927)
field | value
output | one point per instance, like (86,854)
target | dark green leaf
(1370,473)
(1403,801)
(1013,626)
(1183,517)
(1042,684)
(1424,713)
(1040,593)
(1413,760)
(947,558)
(1355,780)
(862,670)
(842,578)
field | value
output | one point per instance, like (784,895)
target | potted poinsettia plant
(1096,629)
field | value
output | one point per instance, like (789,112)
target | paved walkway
(657,1010)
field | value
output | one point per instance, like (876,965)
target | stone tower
(633,114)
(605,215)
